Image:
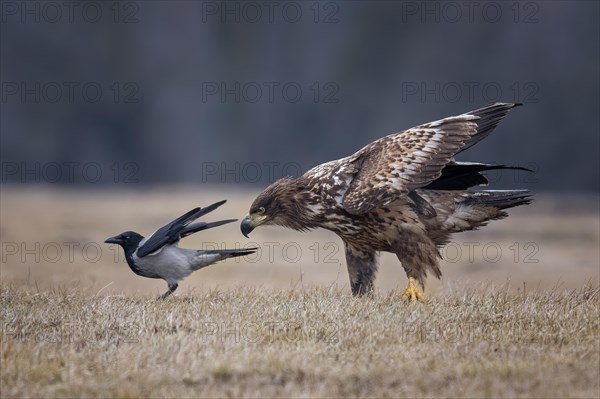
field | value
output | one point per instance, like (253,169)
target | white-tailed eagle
(403,193)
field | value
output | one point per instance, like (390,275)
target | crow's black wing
(172,232)
(196,227)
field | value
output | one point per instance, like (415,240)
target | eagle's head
(279,204)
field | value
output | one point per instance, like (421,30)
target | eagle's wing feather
(393,166)
(396,164)
(490,116)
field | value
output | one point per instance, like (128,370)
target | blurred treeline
(160,92)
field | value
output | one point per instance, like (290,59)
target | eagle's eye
(261,209)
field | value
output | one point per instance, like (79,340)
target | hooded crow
(158,255)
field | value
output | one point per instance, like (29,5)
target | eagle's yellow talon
(412,292)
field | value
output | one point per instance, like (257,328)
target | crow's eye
(261,209)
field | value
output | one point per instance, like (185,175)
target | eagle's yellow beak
(250,222)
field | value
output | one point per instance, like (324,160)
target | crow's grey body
(173,264)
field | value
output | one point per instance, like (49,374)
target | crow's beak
(113,240)
(246,226)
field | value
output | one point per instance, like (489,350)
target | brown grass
(489,342)
(275,327)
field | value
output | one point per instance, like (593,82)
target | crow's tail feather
(230,253)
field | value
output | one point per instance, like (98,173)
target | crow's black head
(128,240)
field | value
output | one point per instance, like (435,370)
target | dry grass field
(515,314)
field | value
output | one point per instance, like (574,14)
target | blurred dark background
(185,92)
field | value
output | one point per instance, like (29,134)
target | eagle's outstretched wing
(392,166)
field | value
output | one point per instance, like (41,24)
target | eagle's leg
(412,292)
(172,287)
(417,258)
(362,284)
(362,267)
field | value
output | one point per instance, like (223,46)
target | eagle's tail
(500,199)
(458,211)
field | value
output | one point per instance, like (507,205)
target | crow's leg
(172,287)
